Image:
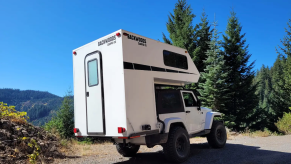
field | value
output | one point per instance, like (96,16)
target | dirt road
(239,150)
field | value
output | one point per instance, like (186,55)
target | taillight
(121,129)
(76,130)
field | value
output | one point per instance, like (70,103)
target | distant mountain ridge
(39,105)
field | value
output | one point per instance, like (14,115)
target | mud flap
(156,139)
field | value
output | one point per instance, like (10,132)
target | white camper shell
(117,80)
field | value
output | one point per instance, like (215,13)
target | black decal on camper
(141,41)
(104,41)
(135,66)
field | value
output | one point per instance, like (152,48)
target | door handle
(188,111)
(87,93)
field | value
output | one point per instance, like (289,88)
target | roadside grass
(259,133)
(251,133)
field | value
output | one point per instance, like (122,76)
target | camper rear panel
(99,101)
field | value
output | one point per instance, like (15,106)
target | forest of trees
(229,84)
(40,106)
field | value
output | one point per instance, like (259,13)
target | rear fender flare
(169,121)
(209,119)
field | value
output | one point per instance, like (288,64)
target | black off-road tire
(217,136)
(127,151)
(177,148)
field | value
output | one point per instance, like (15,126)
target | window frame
(193,96)
(176,54)
(96,72)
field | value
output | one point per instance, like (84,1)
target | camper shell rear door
(94,94)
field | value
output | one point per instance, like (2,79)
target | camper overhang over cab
(114,83)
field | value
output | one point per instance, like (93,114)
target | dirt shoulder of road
(239,149)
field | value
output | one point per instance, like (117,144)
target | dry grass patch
(77,148)
(259,133)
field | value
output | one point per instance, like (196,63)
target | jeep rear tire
(127,151)
(177,148)
(217,136)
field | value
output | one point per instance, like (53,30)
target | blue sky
(37,37)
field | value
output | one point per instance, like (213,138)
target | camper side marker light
(118,34)
(75,53)
(76,130)
(121,129)
(125,34)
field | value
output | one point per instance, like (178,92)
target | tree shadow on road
(230,154)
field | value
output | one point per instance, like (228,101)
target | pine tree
(180,27)
(213,88)
(282,76)
(184,35)
(202,38)
(264,114)
(278,97)
(286,42)
(243,100)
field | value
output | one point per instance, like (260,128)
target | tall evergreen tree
(184,35)
(278,97)
(282,75)
(286,42)
(214,87)
(264,114)
(180,27)
(202,38)
(263,79)
(241,104)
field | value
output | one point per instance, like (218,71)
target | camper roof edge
(121,30)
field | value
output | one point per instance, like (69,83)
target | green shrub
(63,123)
(284,123)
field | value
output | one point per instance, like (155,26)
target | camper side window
(175,60)
(92,73)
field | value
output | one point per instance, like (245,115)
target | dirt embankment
(20,143)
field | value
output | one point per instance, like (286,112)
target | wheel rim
(219,135)
(181,145)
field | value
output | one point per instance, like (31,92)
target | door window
(189,99)
(92,73)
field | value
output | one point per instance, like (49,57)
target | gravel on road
(239,150)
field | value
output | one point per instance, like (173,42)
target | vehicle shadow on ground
(231,153)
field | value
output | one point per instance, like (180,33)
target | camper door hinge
(87,93)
